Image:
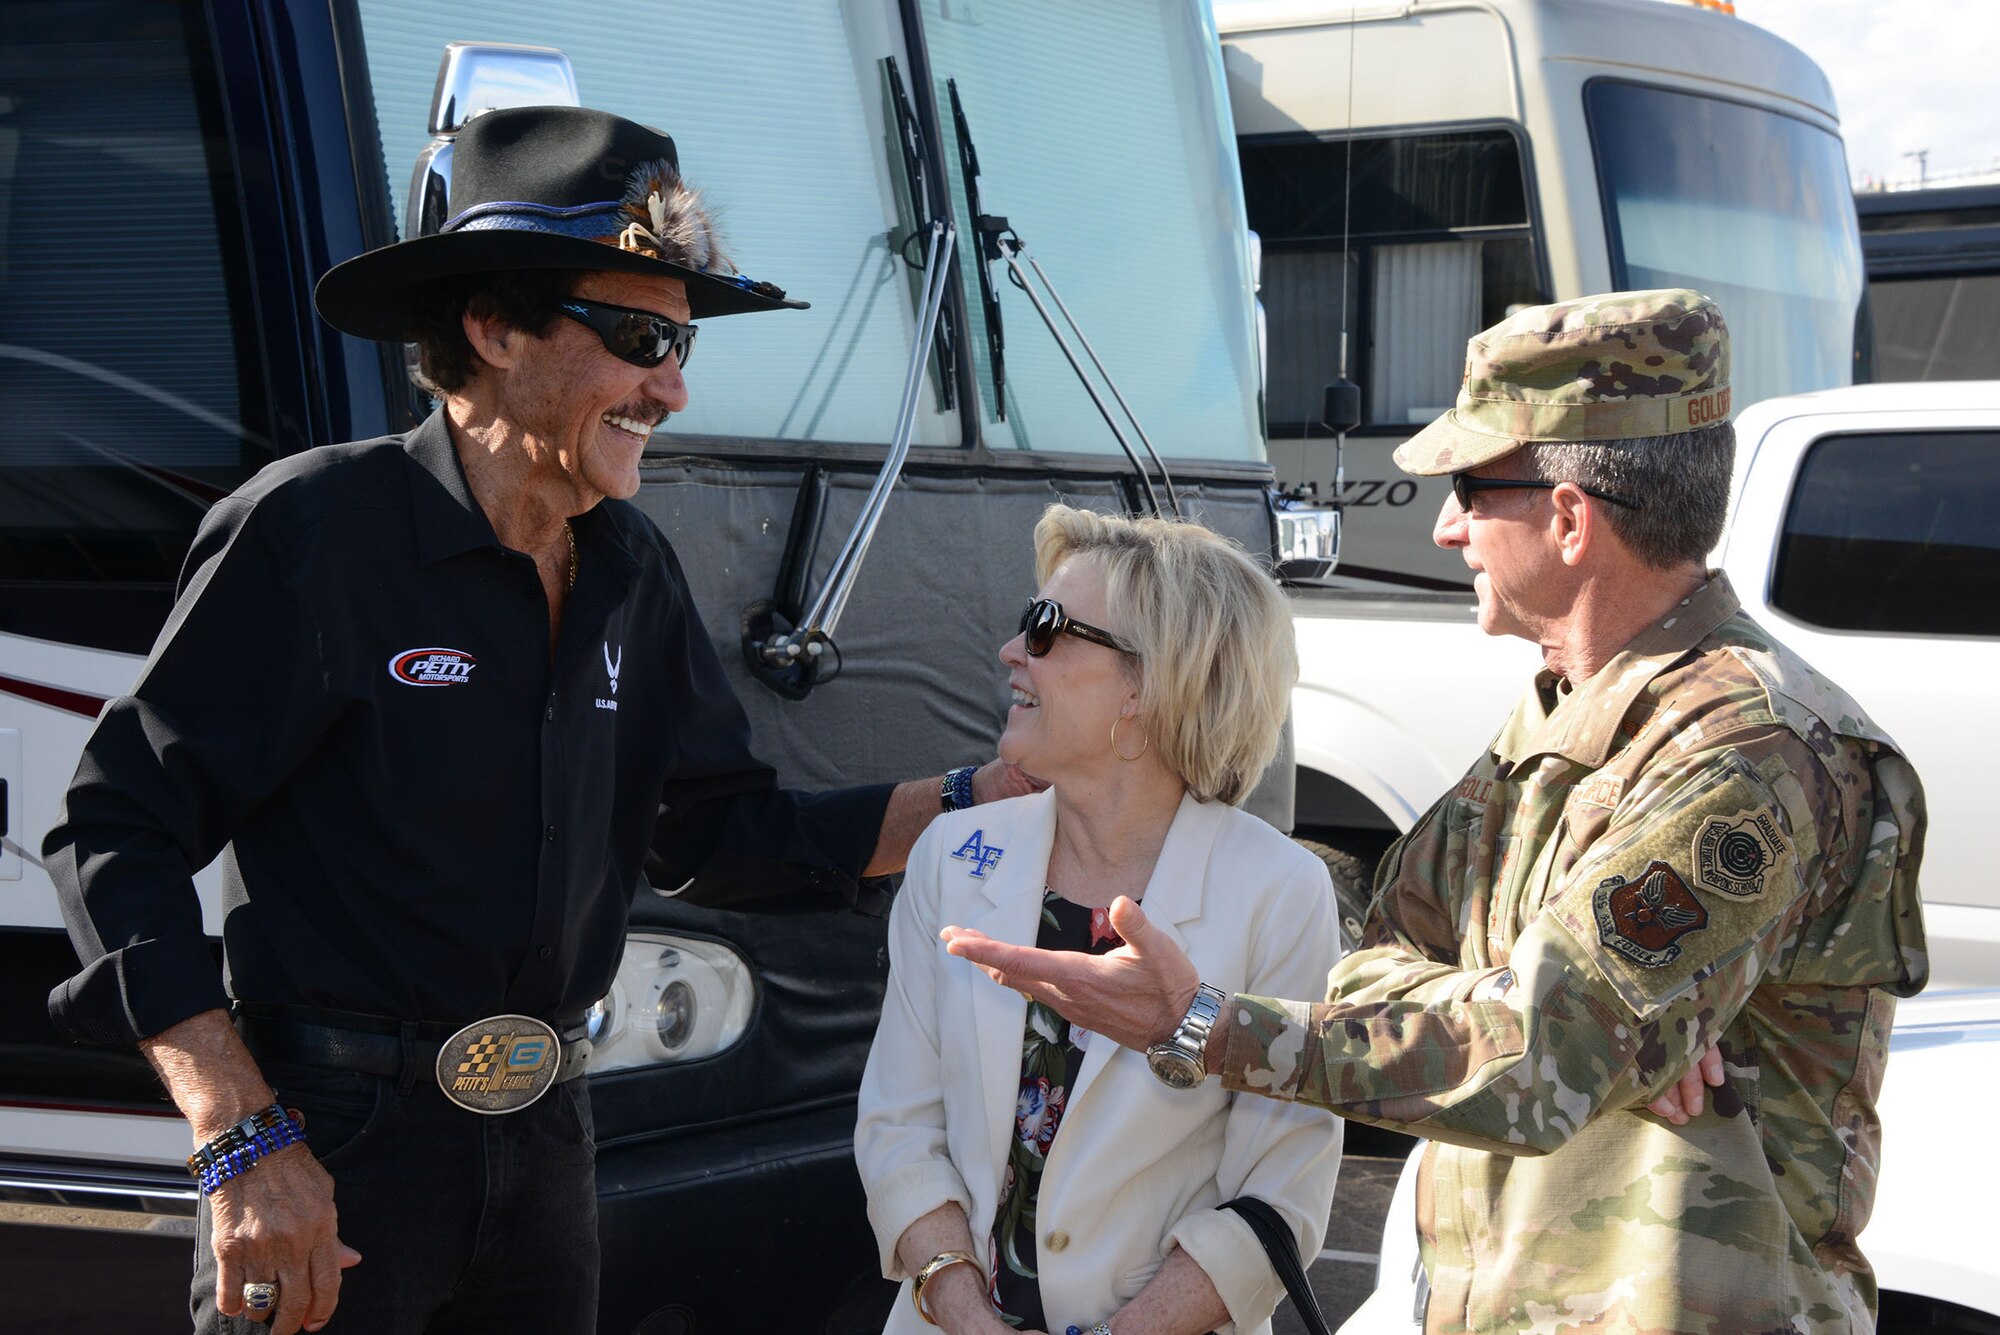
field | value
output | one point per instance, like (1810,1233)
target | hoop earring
(1114,742)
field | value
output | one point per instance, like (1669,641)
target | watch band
(939,1262)
(1181,1059)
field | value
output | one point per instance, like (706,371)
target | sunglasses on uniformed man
(639,337)
(1045,619)
(1465,486)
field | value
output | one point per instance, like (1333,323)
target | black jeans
(464,1222)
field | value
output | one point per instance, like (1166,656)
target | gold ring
(259,1296)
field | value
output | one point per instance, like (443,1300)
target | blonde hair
(1213,635)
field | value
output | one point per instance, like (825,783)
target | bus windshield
(1746,205)
(1102,134)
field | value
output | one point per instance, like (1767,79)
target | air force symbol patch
(1732,856)
(1644,920)
(983,856)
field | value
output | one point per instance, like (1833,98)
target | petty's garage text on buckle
(499,1065)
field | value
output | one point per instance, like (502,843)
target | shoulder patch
(1731,854)
(1645,919)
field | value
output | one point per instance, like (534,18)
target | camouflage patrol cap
(1610,367)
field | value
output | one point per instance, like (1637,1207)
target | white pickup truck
(1864,531)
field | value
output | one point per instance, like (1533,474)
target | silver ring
(259,1296)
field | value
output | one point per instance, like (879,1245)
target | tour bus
(1020,228)
(1418,170)
(1933,261)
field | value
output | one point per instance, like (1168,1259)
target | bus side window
(123,412)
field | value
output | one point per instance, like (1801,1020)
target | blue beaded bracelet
(957,788)
(237,1150)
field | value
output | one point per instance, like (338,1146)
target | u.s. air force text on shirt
(425,814)
(1703,841)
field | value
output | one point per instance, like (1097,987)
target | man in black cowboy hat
(439,701)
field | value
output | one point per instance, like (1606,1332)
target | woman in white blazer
(1024,1176)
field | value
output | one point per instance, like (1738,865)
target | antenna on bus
(1340,409)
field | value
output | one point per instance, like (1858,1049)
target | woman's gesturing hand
(1134,995)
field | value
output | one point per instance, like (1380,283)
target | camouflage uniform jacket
(1704,840)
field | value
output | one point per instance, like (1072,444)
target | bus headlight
(675,999)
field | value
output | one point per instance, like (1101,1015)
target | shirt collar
(1583,723)
(448,519)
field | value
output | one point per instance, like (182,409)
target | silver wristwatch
(1181,1060)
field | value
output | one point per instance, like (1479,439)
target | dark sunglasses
(1465,486)
(1045,619)
(639,337)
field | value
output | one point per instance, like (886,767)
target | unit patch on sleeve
(1645,919)
(1731,856)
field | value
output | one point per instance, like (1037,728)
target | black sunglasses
(639,337)
(1045,619)
(1465,486)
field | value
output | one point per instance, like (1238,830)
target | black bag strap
(1283,1249)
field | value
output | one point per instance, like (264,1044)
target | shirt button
(546,951)
(551,715)
(1058,1240)
(552,834)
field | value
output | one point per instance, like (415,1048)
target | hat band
(1608,419)
(586,222)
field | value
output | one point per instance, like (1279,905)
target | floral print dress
(1051,1055)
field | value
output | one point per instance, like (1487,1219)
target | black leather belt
(373,1044)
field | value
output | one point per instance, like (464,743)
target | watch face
(1174,1067)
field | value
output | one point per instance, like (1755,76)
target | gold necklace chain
(569,531)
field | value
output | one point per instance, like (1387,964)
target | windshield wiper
(986,246)
(997,240)
(910,138)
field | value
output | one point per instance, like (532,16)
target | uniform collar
(1583,723)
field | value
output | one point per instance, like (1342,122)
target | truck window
(126,410)
(1114,102)
(1745,205)
(1896,532)
(1440,245)
(778,121)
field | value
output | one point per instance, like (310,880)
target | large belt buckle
(499,1065)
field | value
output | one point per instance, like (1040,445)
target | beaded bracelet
(237,1150)
(957,788)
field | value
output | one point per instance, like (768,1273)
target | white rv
(1415,170)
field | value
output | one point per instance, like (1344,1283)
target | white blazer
(1136,1167)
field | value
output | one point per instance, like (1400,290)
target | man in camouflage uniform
(1683,840)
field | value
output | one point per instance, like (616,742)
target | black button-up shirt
(420,814)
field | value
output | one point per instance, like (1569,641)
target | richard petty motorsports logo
(432,667)
(499,1065)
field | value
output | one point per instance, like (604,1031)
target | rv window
(1895,532)
(1745,205)
(1439,245)
(783,122)
(1102,137)
(123,411)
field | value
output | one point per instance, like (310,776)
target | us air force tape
(499,1065)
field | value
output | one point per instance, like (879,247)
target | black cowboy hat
(549,188)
